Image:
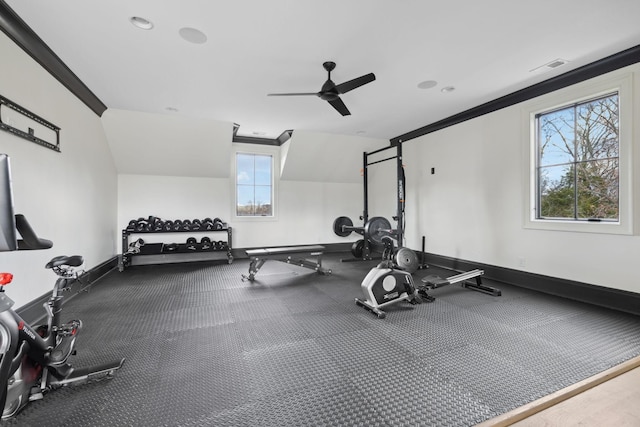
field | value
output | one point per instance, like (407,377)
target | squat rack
(400,181)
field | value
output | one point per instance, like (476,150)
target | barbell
(374,229)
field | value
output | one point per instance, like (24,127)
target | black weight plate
(376,228)
(340,223)
(205,239)
(191,240)
(357,248)
(406,260)
(170,247)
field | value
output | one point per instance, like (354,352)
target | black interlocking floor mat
(204,348)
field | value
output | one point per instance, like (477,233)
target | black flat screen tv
(8,239)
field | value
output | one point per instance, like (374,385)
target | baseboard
(33,312)
(616,299)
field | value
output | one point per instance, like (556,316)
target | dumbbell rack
(127,259)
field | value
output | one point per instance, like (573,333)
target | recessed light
(192,35)
(427,84)
(259,133)
(143,24)
(447,89)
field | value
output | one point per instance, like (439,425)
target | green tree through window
(578,161)
(254,185)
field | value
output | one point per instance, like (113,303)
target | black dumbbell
(186,225)
(206,243)
(168,225)
(177,225)
(192,244)
(196,225)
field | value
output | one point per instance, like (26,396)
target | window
(578,161)
(254,185)
(577,173)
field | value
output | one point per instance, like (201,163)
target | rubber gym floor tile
(288,367)
(263,308)
(320,324)
(517,314)
(606,349)
(559,366)
(348,351)
(326,404)
(310,300)
(256,334)
(214,385)
(490,378)
(427,337)
(407,394)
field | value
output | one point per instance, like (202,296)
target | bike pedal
(70,328)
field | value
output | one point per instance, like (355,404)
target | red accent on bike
(21,325)
(5,278)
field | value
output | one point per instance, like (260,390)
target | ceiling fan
(331,92)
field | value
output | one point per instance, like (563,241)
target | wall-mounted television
(8,240)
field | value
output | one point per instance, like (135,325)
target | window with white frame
(579,158)
(254,185)
(577,161)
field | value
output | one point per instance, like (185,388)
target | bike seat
(71,261)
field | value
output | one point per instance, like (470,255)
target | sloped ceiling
(170,145)
(323,157)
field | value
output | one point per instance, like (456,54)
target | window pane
(254,185)
(263,200)
(557,194)
(263,170)
(556,132)
(598,189)
(245,169)
(244,200)
(597,129)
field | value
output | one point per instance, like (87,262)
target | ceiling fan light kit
(331,92)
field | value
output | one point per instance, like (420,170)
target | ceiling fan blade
(293,94)
(339,105)
(357,82)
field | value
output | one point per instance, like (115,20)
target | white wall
(472,208)
(317,189)
(68,197)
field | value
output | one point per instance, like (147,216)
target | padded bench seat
(284,250)
(285,254)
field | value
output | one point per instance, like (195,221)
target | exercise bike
(34,361)
(387,283)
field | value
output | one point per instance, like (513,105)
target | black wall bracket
(29,132)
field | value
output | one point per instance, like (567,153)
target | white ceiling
(485,49)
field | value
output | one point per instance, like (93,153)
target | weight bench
(286,254)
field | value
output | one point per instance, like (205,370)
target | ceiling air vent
(550,65)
